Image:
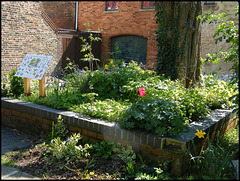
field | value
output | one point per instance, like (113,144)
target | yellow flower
(111,62)
(200,134)
(106,66)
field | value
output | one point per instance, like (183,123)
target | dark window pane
(109,5)
(131,47)
(112,5)
(115,5)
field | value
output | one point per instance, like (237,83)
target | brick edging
(77,120)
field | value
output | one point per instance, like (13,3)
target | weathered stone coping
(19,114)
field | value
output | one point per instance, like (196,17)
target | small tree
(228,31)
(87,47)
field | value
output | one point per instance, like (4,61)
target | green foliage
(59,130)
(76,78)
(110,104)
(156,115)
(68,150)
(132,168)
(107,109)
(194,103)
(87,47)
(230,142)
(126,154)
(6,161)
(4,89)
(83,172)
(226,30)
(167,41)
(103,149)
(58,97)
(108,85)
(16,87)
(214,162)
(159,174)
(110,95)
(114,56)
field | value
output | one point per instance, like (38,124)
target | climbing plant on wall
(178,40)
(167,41)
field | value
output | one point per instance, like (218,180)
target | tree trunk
(178,39)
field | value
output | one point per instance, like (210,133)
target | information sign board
(33,66)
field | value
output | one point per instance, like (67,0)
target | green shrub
(59,129)
(156,115)
(76,78)
(194,103)
(229,33)
(103,149)
(109,84)
(16,87)
(4,89)
(126,154)
(16,84)
(68,150)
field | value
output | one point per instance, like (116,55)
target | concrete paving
(236,165)
(13,140)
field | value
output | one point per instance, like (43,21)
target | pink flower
(141,91)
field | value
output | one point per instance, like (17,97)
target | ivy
(167,37)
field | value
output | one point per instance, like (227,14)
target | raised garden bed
(37,120)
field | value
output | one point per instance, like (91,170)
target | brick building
(137,18)
(131,24)
(49,27)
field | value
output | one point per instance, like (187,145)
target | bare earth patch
(34,162)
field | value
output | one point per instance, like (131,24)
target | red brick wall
(130,19)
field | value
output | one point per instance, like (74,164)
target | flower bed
(137,98)
(133,106)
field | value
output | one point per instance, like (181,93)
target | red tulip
(141,91)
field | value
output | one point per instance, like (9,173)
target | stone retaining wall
(37,120)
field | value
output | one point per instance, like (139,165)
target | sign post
(27,86)
(42,90)
(34,67)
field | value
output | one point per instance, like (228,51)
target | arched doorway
(131,47)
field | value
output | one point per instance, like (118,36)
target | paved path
(13,140)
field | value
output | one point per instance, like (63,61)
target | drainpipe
(76,24)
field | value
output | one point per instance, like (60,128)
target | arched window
(131,48)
